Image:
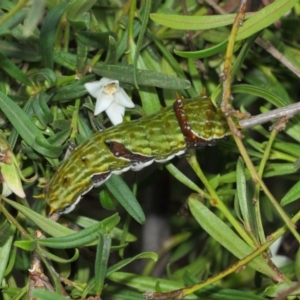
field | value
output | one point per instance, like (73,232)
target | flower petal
(94,88)
(115,113)
(106,81)
(102,103)
(123,99)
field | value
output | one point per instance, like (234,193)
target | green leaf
(77,11)
(59,259)
(147,283)
(125,262)
(99,40)
(20,51)
(47,295)
(82,238)
(181,177)
(102,256)
(277,169)
(73,90)
(47,33)
(182,22)
(59,138)
(203,53)
(144,77)
(41,109)
(7,232)
(125,197)
(121,264)
(254,23)
(45,77)
(27,130)
(226,236)
(241,188)
(65,59)
(42,146)
(13,21)
(111,56)
(116,233)
(259,92)
(48,226)
(292,195)
(26,245)
(264,18)
(150,100)
(106,200)
(34,15)
(10,68)
(258,21)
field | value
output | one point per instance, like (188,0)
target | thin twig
(225,76)
(278,55)
(287,111)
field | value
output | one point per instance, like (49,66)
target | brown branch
(287,111)
(278,55)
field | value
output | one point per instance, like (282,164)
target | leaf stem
(256,178)
(262,165)
(217,202)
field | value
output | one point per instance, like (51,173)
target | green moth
(188,124)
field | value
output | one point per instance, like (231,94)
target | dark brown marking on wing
(119,150)
(192,141)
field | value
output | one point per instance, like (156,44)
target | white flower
(111,98)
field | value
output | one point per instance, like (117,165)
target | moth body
(134,145)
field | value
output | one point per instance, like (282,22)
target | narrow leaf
(10,68)
(83,237)
(242,193)
(292,195)
(182,22)
(226,236)
(102,256)
(47,33)
(99,40)
(125,197)
(125,262)
(144,77)
(48,226)
(23,124)
(46,295)
(59,259)
(7,236)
